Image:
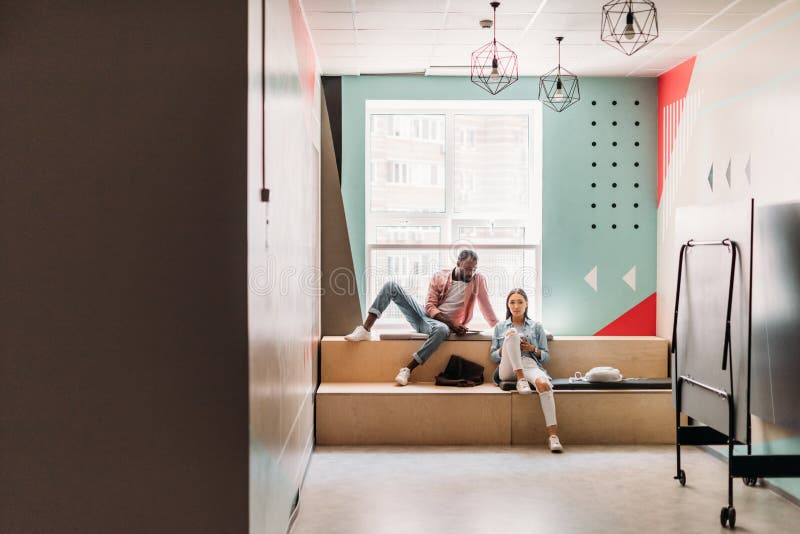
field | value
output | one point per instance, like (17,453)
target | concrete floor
(465,490)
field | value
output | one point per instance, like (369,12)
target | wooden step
(622,417)
(424,414)
(386,414)
(379,361)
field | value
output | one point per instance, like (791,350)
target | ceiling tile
(691,6)
(702,39)
(731,21)
(506,6)
(326,5)
(413,21)
(393,51)
(329,21)
(573,21)
(396,36)
(754,6)
(470,21)
(401,6)
(681,21)
(323,37)
(452,50)
(571,37)
(337,50)
(477,38)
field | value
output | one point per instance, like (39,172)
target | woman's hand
(527,347)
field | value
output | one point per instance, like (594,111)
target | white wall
(283,259)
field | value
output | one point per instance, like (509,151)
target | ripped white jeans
(511,360)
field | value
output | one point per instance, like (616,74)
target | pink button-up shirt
(476,290)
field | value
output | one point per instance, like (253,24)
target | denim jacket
(533,331)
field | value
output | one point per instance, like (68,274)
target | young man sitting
(452,294)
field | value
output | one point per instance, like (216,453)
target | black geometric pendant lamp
(493,66)
(629,25)
(559,89)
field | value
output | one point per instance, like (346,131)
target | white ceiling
(411,36)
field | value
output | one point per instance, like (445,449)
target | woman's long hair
(513,292)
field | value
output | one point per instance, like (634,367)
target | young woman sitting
(520,345)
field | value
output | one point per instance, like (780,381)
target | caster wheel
(750,481)
(682,477)
(727,516)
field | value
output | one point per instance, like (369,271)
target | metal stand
(748,467)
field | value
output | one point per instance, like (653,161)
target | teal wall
(570,247)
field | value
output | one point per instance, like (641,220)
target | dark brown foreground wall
(123,326)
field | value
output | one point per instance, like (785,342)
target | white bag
(598,374)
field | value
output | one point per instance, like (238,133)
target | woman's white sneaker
(554,444)
(523,387)
(359,334)
(402,376)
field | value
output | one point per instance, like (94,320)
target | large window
(446,175)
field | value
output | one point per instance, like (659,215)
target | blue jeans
(437,331)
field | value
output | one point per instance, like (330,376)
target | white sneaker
(359,334)
(402,376)
(523,387)
(554,444)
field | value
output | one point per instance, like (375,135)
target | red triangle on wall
(638,321)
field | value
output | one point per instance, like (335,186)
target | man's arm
(459,329)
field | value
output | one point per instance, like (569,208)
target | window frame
(448,220)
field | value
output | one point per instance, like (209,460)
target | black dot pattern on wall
(619,180)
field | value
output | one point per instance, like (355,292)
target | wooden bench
(358,404)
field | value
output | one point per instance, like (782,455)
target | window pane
(408,234)
(505,235)
(506,269)
(412,269)
(407,154)
(491,164)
